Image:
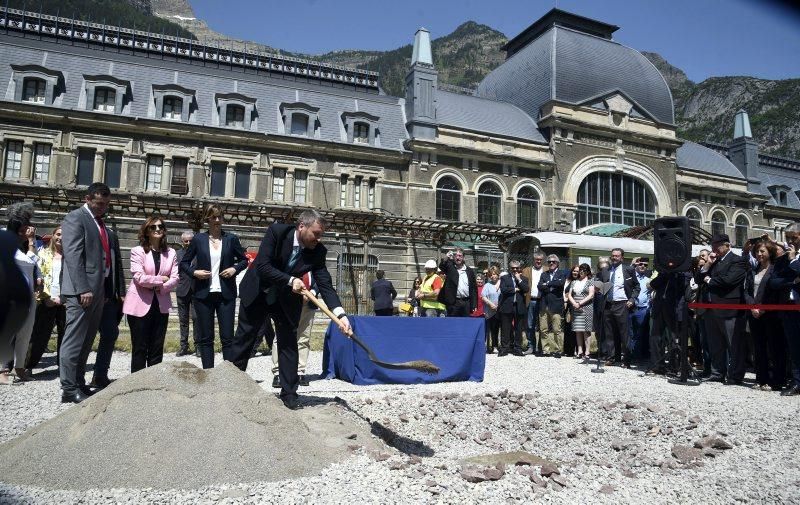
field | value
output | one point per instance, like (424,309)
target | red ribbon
(743,306)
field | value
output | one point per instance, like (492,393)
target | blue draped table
(455,344)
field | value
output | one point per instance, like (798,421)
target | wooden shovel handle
(321,307)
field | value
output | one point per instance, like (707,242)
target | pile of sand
(177,426)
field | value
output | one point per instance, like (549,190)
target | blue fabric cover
(454,344)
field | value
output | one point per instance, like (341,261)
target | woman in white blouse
(50,311)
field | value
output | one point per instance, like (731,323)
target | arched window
(34,90)
(742,230)
(527,208)
(614,198)
(448,199)
(718,223)
(234,116)
(489,200)
(694,218)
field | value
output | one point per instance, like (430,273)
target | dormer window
(173,108)
(34,90)
(361,128)
(235,110)
(299,124)
(106,93)
(361,133)
(105,99)
(299,119)
(234,116)
(173,102)
(781,194)
(36,84)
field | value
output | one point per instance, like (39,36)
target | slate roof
(776,177)
(693,156)
(143,72)
(486,116)
(573,67)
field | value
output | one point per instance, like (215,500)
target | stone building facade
(573,131)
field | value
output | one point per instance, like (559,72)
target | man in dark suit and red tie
(273,286)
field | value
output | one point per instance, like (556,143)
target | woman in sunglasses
(154,274)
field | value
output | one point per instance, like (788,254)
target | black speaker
(672,244)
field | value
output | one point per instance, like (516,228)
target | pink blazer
(145,279)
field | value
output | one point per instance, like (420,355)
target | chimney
(421,85)
(743,151)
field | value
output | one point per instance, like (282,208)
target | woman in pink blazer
(154,272)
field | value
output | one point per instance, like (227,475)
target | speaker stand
(683,378)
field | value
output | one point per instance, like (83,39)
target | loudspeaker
(672,244)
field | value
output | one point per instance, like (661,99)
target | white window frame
(155,167)
(41,163)
(279,184)
(300,186)
(39,94)
(13,166)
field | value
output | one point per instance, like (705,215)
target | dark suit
(725,328)
(266,290)
(183,296)
(383,294)
(457,306)
(769,344)
(206,303)
(616,313)
(782,280)
(112,311)
(551,309)
(512,309)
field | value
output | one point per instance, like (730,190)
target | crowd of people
(622,313)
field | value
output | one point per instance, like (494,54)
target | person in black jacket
(383,294)
(551,307)
(785,279)
(769,344)
(669,315)
(183,297)
(460,291)
(621,289)
(214,258)
(512,309)
(273,287)
(724,277)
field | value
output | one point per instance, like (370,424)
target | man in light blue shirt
(639,324)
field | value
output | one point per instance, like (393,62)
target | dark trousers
(460,308)
(46,319)
(384,312)
(534,340)
(251,318)
(224,310)
(769,349)
(492,329)
(791,329)
(615,320)
(511,325)
(639,328)
(266,333)
(147,337)
(186,314)
(727,345)
(109,332)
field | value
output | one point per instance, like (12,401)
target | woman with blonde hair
(154,274)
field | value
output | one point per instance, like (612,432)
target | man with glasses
(551,287)
(511,307)
(534,273)
(639,324)
(183,295)
(460,291)
(621,290)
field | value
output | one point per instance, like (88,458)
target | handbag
(406,308)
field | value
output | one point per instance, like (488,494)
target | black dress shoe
(791,391)
(182,352)
(713,378)
(557,355)
(500,354)
(86,390)
(733,382)
(100,382)
(276,382)
(304,380)
(290,403)
(517,353)
(75,397)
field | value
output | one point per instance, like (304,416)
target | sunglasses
(154,227)
(552,261)
(516,270)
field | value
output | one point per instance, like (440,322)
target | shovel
(420,365)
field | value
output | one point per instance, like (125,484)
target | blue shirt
(644,293)
(491,293)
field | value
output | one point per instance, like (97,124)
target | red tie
(104,240)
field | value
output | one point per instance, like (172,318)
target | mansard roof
(693,156)
(571,66)
(486,116)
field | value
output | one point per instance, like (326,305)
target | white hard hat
(430,264)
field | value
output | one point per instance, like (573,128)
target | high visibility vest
(427,287)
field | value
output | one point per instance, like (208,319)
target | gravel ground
(581,437)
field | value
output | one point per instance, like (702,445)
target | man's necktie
(293,258)
(104,240)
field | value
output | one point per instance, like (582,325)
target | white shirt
(216,256)
(463,283)
(618,283)
(536,275)
(55,282)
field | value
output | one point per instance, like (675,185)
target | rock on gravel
(177,426)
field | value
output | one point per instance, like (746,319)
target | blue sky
(705,38)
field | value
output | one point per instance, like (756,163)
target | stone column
(26,170)
(351,193)
(364,193)
(98,175)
